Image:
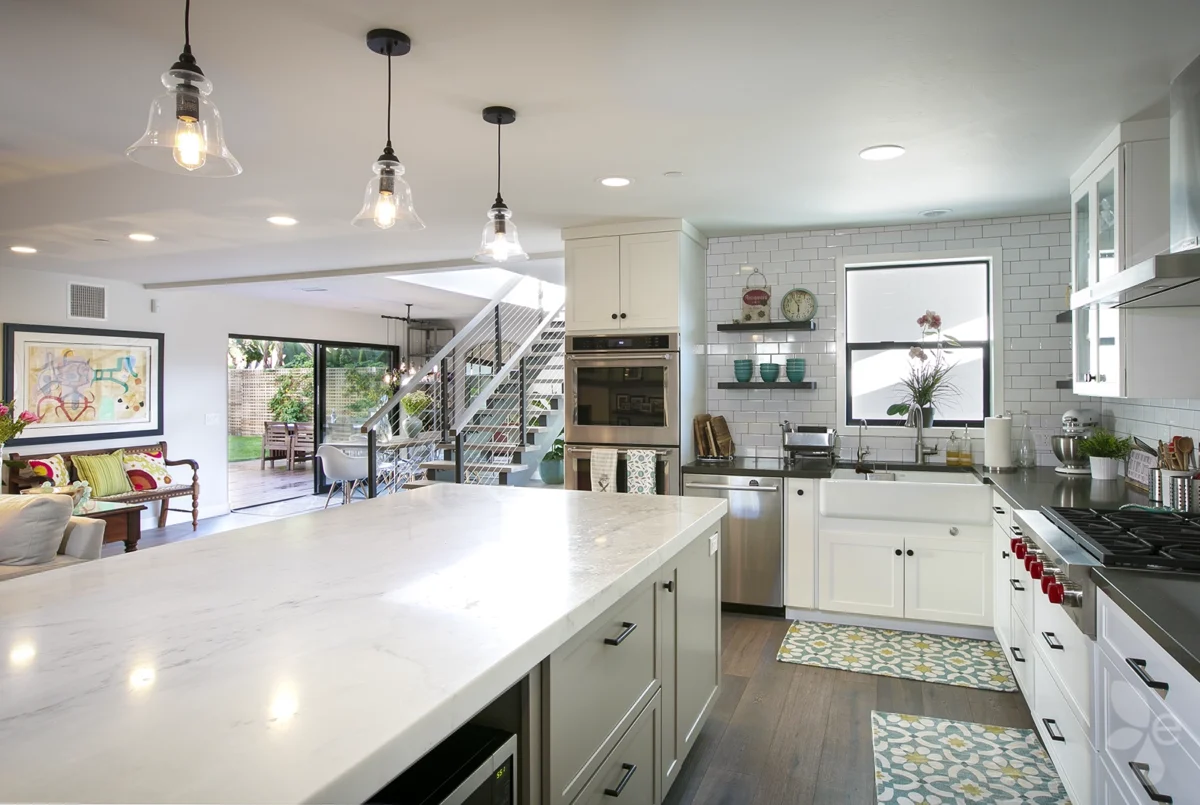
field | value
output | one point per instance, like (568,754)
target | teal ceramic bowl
(743,373)
(795,373)
(769,372)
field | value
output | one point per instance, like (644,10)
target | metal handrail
(464,334)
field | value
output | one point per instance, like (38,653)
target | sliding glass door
(350,387)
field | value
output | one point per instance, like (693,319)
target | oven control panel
(620,343)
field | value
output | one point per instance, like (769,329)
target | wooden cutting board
(724,439)
(700,428)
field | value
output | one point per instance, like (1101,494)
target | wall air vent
(87,302)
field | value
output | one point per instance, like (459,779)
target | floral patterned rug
(907,655)
(933,761)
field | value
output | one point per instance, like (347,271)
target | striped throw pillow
(105,473)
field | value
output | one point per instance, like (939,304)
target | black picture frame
(622,402)
(156,387)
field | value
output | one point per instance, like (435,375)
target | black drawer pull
(619,639)
(1016,652)
(1139,668)
(1016,529)
(998,510)
(1052,641)
(899,552)
(629,768)
(1053,731)
(1003,554)
(909,552)
(1139,771)
(1016,585)
(669,586)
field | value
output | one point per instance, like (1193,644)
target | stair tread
(476,465)
(484,426)
(497,446)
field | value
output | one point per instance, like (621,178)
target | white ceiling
(762,104)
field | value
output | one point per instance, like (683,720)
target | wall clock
(799,305)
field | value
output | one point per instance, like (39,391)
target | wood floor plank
(899,695)
(946,701)
(692,774)
(795,752)
(725,787)
(846,773)
(1002,709)
(746,644)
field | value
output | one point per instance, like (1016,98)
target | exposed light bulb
(190,148)
(500,248)
(385,210)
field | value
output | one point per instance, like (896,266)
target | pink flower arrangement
(930,323)
(928,380)
(11,423)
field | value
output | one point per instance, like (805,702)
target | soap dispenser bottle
(952,451)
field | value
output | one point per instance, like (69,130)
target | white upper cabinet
(643,277)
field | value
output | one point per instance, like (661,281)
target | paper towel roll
(997,442)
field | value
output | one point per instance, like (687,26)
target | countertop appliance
(751,537)
(475,766)
(623,390)
(1059,545)
(1076,424)
(809,445)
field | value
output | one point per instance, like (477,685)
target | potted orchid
(12,423)
(928,380)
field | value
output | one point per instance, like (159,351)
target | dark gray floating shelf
(1064,384)
(1063,318)
(770,325)
(806,384)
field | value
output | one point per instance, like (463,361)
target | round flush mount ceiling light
(282,220)
(935,213)
(877,153)
(615,181)
(23,249)
(142,237)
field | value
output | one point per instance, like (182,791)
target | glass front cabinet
(1119,217)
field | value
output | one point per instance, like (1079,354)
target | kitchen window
(882,304)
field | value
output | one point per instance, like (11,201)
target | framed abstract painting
(84,384)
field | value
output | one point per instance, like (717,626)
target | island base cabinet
(948,580)
(690,602)
(630,773)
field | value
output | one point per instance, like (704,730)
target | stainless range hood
(1172,279)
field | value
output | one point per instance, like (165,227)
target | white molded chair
(340,469)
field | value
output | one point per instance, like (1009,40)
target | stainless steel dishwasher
(751,536)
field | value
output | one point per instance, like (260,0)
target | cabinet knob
(614,315)
(1088,378)
(909,552)
(899,552)
(1003,554)
(622,315)
(954,531)
(800,492)
(669,586)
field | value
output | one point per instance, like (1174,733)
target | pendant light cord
(187,26)
(499,128)
(389,103)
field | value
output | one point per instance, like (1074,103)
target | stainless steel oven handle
(619,452)
(734,488)
(608,356)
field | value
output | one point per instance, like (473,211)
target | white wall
(1037,351)
(196,325)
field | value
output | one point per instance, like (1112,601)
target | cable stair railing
(457,383)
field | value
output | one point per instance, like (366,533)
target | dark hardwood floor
(785,734)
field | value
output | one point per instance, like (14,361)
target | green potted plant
(414,403)
(927,382)
(551,467)
(1103,450)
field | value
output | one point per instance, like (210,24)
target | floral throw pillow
(147,471)
(52,469)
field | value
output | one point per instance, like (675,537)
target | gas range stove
(1133,538)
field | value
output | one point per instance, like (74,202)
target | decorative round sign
(799,305)
(756,300)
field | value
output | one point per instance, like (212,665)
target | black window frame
(986,345)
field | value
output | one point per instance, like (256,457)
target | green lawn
(245,448)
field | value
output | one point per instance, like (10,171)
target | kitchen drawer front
(1022,656)
(1071,663)
(596,688)
(629,775)
(1147,753)
(1062,734)
(1022,590)
(1125,641)
(1109,789)
(1001,511)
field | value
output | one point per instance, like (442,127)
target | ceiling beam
(399,268)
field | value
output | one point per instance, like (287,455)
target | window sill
(898,430)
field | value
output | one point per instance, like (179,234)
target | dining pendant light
(500,241)
(184,133)
(388,202)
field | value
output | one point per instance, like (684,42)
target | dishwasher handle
(733,488)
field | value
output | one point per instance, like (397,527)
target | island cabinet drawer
(1067,653)
(1022,656)
(629,774)
(1068,741)
(1157,673)
(595,686)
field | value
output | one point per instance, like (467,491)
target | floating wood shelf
(770,325)
(1064,384)
(1063,318)
(783,384)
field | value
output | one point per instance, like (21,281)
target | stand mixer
(1076,423)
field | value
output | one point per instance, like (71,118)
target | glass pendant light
(184,132)
(500,242)
(388,202)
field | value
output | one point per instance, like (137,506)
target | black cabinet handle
(899,552)
(669,586)
(1053,731)
(1016,652)
(629,768)
(800,492)
(1016,529)
(622,315)
(1003,554)
(614,315)
(619,639)
(1016,585)
(998,510)
(1139,771)
(1139,668)
(1052,641)
(909,552)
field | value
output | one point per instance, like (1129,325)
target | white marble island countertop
(312,658)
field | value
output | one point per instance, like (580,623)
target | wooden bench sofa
(176,490)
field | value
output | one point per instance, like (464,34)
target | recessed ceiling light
(23,249)
(282,220)
(615,181)
(142,237)
(937,213)
(880,152)
(674,174)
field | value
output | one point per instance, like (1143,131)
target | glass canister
(1026,447)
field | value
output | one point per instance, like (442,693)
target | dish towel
(639,472)
(604,469)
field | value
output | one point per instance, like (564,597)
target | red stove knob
(1013,543)
(1019,549)
(1035,570)
(1056,593)
(1047,580)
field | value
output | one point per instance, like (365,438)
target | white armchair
(38,533)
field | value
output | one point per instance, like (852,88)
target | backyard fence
(251,389)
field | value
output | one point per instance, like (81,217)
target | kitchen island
(317,657)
